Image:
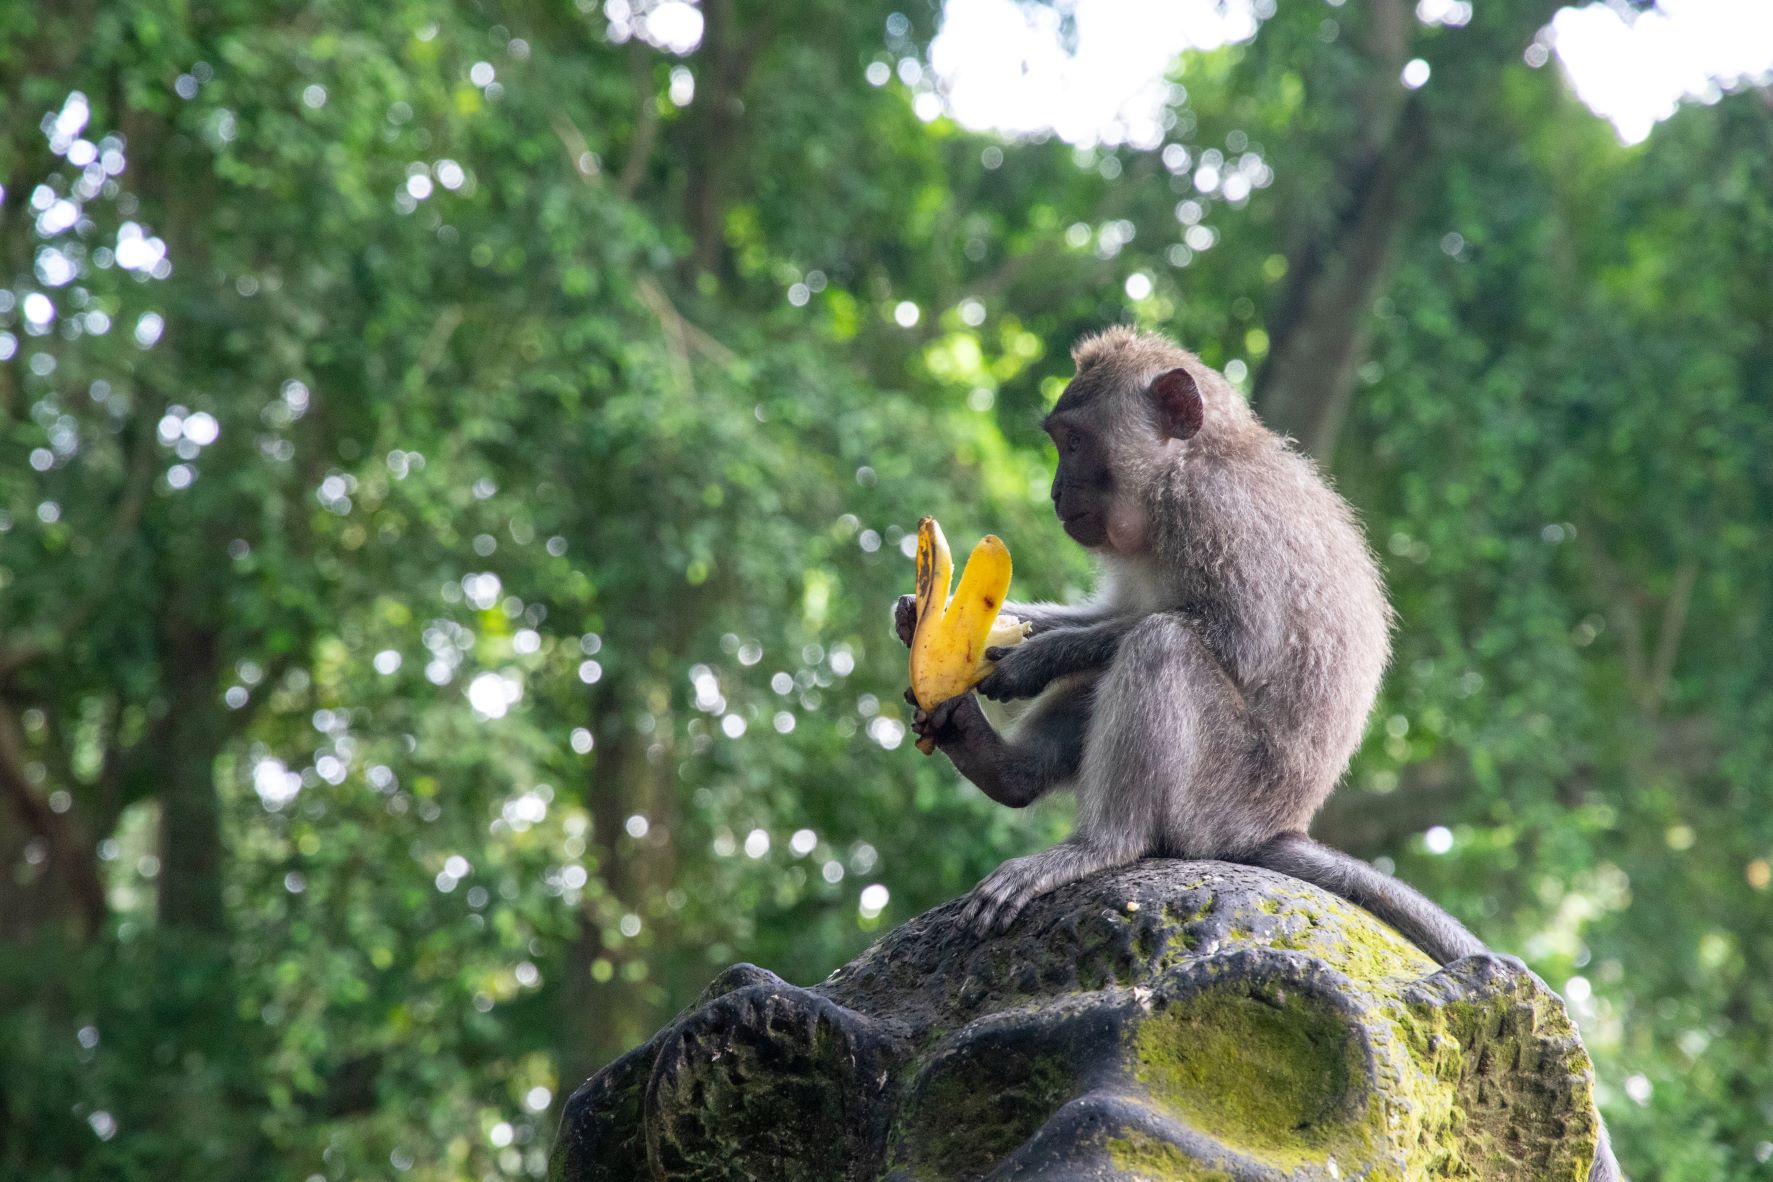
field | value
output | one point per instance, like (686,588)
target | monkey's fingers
(994,685)
(1006,684)
(940,724)
(942,718)
(905,618)
(931,722)
(920,726)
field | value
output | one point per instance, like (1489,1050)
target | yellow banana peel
(948,646)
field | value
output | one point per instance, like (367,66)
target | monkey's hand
(905,618)
(1023,670)
(951,723)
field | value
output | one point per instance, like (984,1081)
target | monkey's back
(1276,573)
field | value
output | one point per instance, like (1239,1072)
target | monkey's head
(1136,407)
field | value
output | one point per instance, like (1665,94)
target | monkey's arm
(1047,616)
(1028,668)
(1045,753)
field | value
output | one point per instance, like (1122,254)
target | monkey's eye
(1071,441)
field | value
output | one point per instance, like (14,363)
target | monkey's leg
(1045,752)
(1144,744)
(1408,910)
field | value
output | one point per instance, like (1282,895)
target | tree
(456,463)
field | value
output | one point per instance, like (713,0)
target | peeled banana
(948,646)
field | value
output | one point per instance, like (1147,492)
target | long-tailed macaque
(1205,701)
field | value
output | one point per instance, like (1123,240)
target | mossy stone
(1187,1021)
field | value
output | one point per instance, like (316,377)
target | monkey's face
(1112,442)
(1083,485)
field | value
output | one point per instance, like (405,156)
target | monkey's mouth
(1086,529)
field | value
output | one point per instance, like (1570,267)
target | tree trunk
(602,1019)
(1321,330)
(69,885)
(717,123)
(191,738)
(1320,342)
(1320,333)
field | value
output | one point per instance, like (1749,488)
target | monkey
(1208,696)
(1206,699)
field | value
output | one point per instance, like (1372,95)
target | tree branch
(72,854)
(1668,637)
(691,335)
(1321,333)
(646,121)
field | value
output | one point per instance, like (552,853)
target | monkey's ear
(1180,410)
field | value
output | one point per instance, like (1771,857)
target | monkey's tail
(1606,1166)
(1392,900)
(1404,908)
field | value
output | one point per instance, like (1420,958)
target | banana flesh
(948,646)
(1006,633)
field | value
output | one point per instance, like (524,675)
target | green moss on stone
(1357,945)
(966,1121)
(1521,1081)
(1178,925)
(1477,1073)
(1150,1160)
(1266,1075)
(1365,952)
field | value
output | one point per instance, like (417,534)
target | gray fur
(1221,677)
(1252,628)
(1204,702)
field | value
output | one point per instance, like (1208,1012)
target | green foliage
(448,525)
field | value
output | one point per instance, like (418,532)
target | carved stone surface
(1168,1020)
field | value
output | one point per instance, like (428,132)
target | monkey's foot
(995,903)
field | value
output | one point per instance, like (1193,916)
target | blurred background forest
(455,467)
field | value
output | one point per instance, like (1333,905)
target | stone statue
(1165,1020)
